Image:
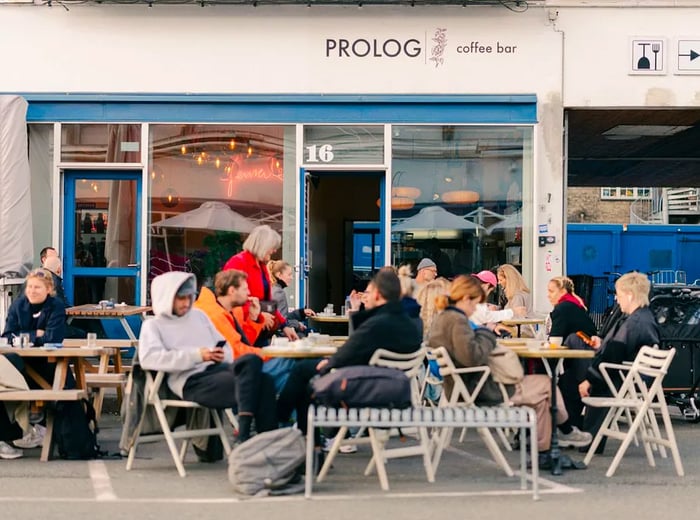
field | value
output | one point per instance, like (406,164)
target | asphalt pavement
(468,485)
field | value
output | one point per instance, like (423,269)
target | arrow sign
(692,55)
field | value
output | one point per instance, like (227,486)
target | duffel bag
(363,386)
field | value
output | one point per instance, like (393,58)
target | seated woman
(636,328)
(568,317)
(517,292)
(38,313)
(281,276)
(471,346)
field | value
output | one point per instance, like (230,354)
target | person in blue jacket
(41,315)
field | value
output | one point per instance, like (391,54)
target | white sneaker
(575,438)
(33,439)
(8,452)
(348,448)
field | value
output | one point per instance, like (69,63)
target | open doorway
(345,244)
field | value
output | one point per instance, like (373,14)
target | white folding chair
(153,399)
(634,405)
(461,396)
(410,364)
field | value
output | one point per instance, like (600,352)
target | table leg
(79,365)
(127,328)
(554,450)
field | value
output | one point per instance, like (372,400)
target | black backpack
(75,430)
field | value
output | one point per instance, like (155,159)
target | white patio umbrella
(210,215)
(435,217)
(514,220)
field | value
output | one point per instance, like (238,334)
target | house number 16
(323,153)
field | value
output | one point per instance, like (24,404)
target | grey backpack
(268,464)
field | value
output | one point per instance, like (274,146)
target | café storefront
(352,180)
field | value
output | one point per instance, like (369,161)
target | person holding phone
(183,342)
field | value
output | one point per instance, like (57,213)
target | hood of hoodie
(164,288)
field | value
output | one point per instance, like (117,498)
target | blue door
(102,236)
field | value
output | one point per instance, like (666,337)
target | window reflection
(472,178)
(209,185)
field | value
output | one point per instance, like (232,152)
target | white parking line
(100,481)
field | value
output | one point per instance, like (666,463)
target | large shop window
(209,186)
(457,195)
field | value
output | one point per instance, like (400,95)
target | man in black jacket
(382,324)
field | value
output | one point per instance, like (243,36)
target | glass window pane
(224,179)
(92,289)
(104,213)
(457,195)
(330,144)
(101,143)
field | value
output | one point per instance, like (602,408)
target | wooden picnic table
(53,391)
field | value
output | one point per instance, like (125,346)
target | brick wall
(585,205)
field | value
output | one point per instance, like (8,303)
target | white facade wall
(597,56)
(279,50)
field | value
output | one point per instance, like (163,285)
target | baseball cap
(487,277)
(426,263)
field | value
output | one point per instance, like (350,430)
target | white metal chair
(153,399)
(410,364)
(461,396)
(638,398)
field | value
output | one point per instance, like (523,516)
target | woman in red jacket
(258,248)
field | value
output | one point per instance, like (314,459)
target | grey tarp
(16,241)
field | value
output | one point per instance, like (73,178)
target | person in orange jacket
(224,307)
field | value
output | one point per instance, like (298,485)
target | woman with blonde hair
(41,315)
(427,297)
(258,248)
(636,328)
(515,288)
(281,276)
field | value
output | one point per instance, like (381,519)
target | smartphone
(221,343)
(585,337)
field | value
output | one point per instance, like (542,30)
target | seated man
(182,341)
(382,324)
(225,310)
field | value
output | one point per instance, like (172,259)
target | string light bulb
(232,144)
(250,150)
(183,149)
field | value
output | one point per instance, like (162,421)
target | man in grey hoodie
(182,341)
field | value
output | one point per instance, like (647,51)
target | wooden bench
(40,397)
(104,375)
(522,418)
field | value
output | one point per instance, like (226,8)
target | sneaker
(344,448)
(575,438)
(8,452)
(33,439)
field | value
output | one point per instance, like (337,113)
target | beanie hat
(426,263)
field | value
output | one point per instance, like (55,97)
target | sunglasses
(39,273)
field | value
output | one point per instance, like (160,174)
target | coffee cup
(555,341)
